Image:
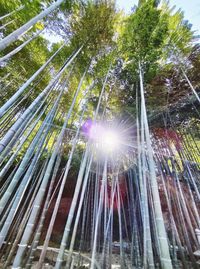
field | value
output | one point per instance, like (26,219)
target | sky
(191,9)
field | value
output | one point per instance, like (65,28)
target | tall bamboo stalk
(53,218)
(162,236)
(5,42)
(13,52)
(5,140)
(42,134)
(8,104)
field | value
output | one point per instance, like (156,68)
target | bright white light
(113,141)
(106,140)
(110,141)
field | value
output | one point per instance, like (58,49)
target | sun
(113,141)
(110,141)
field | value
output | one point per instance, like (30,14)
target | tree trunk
(5,42)
(162,236)
(13,52)
(8,104)
(5,140)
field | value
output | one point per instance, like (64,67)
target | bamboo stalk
(5,42)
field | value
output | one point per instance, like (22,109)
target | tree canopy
(68,68)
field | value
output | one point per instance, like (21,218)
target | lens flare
(111,141)
(104,138)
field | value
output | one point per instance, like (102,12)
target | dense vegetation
(155,35)
(65,64)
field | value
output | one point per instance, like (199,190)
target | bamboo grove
(136,206)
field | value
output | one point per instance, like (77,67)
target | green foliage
(23,65)
(103,63)
(143,37)
(149,35)
(8,6)
(63,55)
(29,10)
(153,35)
(93,27)
(180,35)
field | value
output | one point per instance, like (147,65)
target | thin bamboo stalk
(163,242)
(6,24)
(12,12)
(8,104)
(49,232)
(5,140)
(13,52)
(5,42)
